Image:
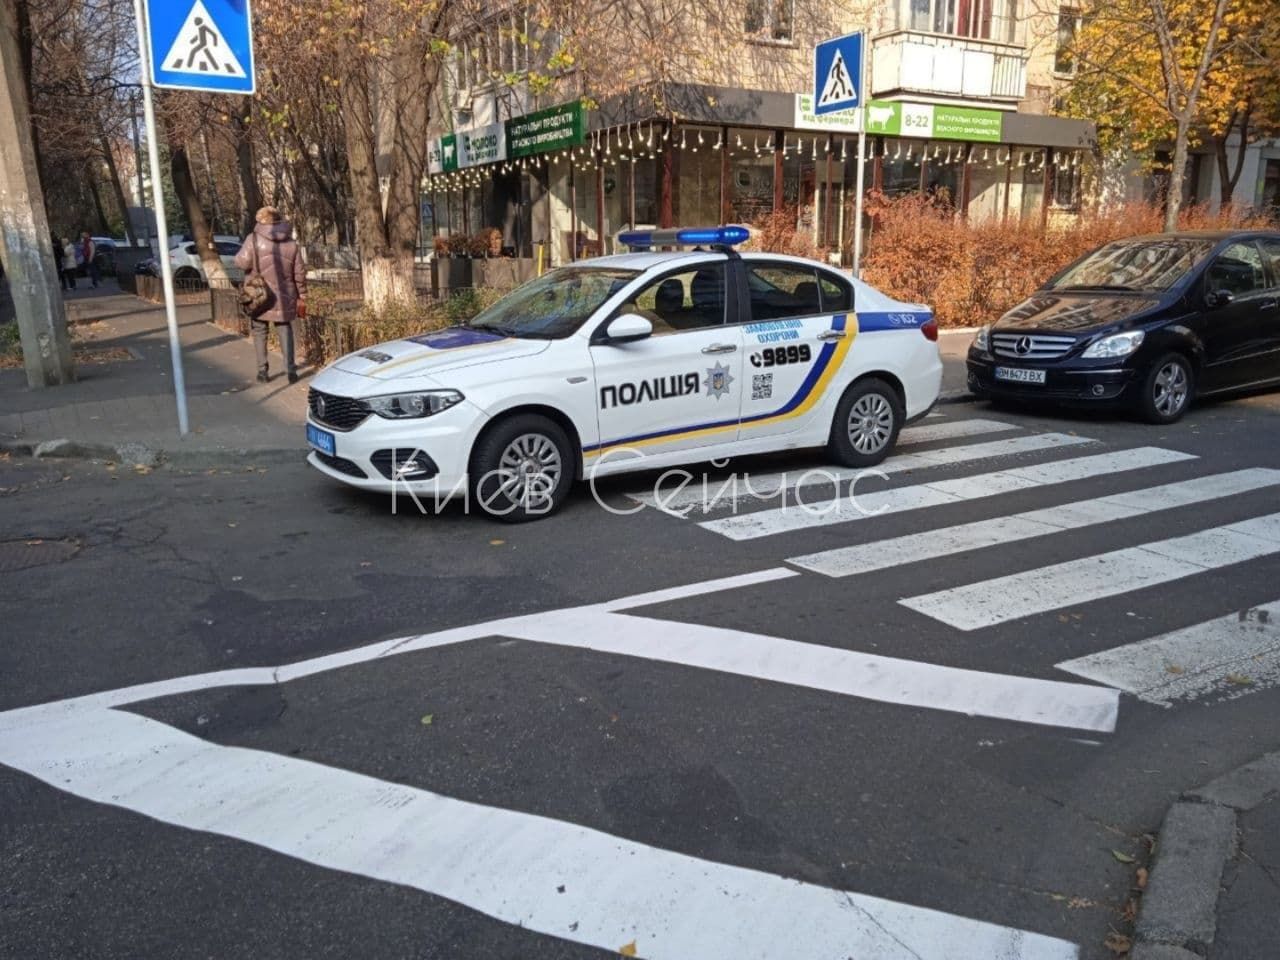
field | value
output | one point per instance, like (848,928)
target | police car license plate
(1019,375)
(322,440)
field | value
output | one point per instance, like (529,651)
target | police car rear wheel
(522,469)
(866,424)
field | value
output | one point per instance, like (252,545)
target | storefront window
(943,166)
(901,166)
(987,170)
(750,187)
(698,190)
(1068,168)
(1026,192)
(587,241)
(800,160)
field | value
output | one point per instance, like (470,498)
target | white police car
(629,362)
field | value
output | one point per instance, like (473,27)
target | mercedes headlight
(1117,345)
(409,406)
(983,340)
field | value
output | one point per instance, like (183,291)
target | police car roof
(648,260)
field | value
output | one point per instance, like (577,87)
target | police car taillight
(930,330)
(726,236)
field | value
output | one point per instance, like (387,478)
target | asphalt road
(624,729)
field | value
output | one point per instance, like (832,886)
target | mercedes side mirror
(627,328)
(1220,298)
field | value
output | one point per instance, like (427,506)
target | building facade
(959,91)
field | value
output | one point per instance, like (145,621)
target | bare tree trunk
(214,205)
(385,107)
(91,178)
(1177,171)
(1228,171)
(184,186)
(250,191)
(117,188)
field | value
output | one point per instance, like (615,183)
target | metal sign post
(836,63)
(162,222)
(861,176)
(203,45)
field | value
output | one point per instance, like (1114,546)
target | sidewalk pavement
(1214,890)
(130,404)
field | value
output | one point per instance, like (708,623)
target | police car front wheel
(521,469)
(866,424)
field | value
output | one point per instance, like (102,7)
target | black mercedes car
(1147,322)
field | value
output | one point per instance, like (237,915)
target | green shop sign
(898,118)
(552,129)
(442,154)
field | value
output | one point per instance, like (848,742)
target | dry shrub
(776,233)
(971,273)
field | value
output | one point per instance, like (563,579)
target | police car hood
(438,352)
(878,311)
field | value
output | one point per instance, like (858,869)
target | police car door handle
(720,348)
(831,335)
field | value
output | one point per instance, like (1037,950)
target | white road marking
(931,544)
(951,430)
(553,877)
(1082,581)
(846,672)
(673,497)
(1238,653)
(823,513)
(256,676)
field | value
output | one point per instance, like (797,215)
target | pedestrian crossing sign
(837,74)
(204,45)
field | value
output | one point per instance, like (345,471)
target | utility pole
(24,226)
(137,164)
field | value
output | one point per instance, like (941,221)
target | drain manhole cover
(21,554)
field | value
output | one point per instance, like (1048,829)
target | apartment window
(499,48)
(995,20)
(770,19)
(1069,20)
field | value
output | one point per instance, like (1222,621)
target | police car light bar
(728,236)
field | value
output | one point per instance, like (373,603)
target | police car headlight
(1119,345)
(409,406)
(983,340)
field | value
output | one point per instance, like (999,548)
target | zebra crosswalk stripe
(762,486)
(764,523)
(1238,651)
(552,876)
(1019,595)
(932,544)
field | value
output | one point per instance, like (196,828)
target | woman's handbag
(255,295)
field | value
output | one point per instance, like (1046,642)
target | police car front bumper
(426,457)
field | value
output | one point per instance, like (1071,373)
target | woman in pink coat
(279,262)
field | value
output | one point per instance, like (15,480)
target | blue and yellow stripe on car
(807,395)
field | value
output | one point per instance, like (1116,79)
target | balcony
(932,64)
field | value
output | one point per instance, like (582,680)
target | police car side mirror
(627,328)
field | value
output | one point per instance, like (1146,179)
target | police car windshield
(554,305)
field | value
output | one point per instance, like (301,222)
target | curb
(1178,916)
(132,453)
(956,396)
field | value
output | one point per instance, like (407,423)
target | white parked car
(629,362)
(188,266)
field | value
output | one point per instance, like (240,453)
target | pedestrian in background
(272,253)
(59,259)
(68,264)
(89,251)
